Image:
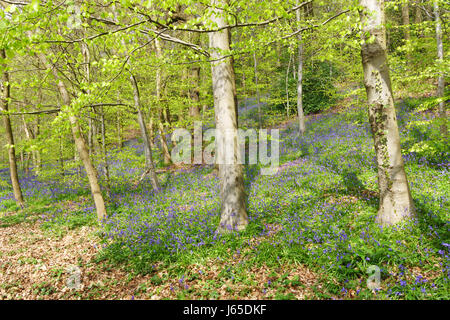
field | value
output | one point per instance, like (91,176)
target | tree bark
(147,145)
(4,101)
(396,202)
(233,210)
(441,78)
(119,130)
(405,20)
(406,28)
(163,114)
(37,153)
(104,152)
(80,144)
(288,103)
(87,73)
(301,115)
(418,18)
(194,92)
(258,97)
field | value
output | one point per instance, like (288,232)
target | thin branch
(236,25)
(311,27)
(56,110)
(96,35)
(179,41)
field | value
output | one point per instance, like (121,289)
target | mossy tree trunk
(80,143)
(395,198)
(4,101)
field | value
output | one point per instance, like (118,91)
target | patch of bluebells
(324,200)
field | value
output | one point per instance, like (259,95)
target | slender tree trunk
(441,78)
(405,20)
(405,23)
(395,198)
(288,103)
(22,161)
(87,73)
(151,133)
(30,137)
(61,155)
(119,130)
(163,114)
(147,145)
(418,18)
(104,152)
(258,97)
(301,116)
(194,92)
(37,164)
(4,101)
(80,144)
(233,211)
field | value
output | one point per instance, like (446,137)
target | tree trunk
(151,133)
(163,114)
(37,153)
(232,192)
(441,78)
(194,92)
(418,19)
(4,101)
(288,103)
(30,137)
(301,116)
(147,145)
(87,73)
(104,152)
(119,130)
(405,20)
(258,98)
(395,198)
(80,144)
(61,155)
(406,28)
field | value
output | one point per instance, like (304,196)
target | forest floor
(311,234)
(38,265)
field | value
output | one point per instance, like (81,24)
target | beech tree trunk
(80,144)
(405,20)
(194,92)
(147,145)
(441,78)
(301,115)
(418,19)
(104,152)
(232,192)
(258,97)
(4,101)
(163,114)
(288,104)
(37,153)
(395,198)
(406,28)
(119,130)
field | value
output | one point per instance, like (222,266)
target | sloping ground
(37,265)
(317,211)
